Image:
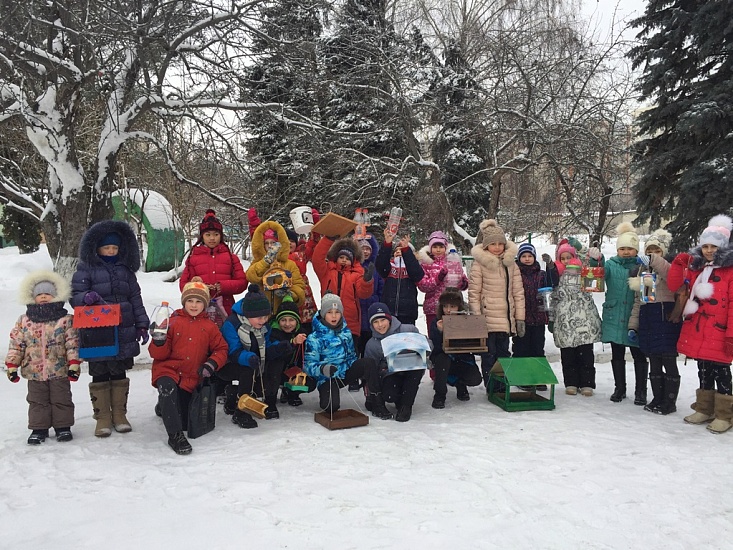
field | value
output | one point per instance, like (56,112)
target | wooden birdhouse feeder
(525,372)
(464,334)
(592,279)
(249,404)
(297,382)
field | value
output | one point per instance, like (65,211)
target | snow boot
(571,390)
(120,390)
(657,384)
(231,399)
(354,386)
(294,399)
(63,434)
(378,408)
(180,444)
(703,406)
(641,373)
(462,392)
(284,395)
(271,412)
(37,437)
(329,396)
(671,389)
(723,414)
(244,420)
(101,396)
(619,380)
(404,414)
(438,402)
(586,392)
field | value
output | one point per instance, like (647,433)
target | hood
(129,253)
(723,258)
(489,261)
(258,241)
(394,328)
(375,250)
(25,292)
(348,244)
(424,257)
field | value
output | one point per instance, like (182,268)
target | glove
(207,369)
(521,329)
(12,373)
(464,284)
(272,253)
(442,274)
(328,370)
(282,292)
(143,336)
(254,362)
(369,272)
(643,259)
(546,258)
(92,297)
(594,252)
(633,336)
(159,338)
(73,373)
(729,346)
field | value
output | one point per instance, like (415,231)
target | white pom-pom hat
(717,232)
(627,237)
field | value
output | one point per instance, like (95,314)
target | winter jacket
(216,265)
(282,348)
(619,301)
(657,336)
(300,256)
(190,342)
(534,278)
(373,348)
(400,281)
(115,282)
(328,346)
(430,284)
(495,289)
(348,283)
(576,320)
(237,330)
(709,316)
(258,268)
(378,285)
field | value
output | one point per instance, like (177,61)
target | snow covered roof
(157,209)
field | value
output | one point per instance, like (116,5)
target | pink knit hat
(437,237)
(270,235)
(565,247)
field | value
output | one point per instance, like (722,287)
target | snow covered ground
(590,474)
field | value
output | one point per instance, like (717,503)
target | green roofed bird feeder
(521,371)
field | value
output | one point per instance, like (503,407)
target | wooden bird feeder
(464,334)
(298,382)
(525,372)
(333,225)
(249,404)
(339,420)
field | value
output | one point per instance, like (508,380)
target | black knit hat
(288,309)
(254,303)
(210,223)
(292,236)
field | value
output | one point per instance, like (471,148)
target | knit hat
(437,237)
(527,247)
(210,223)
(566,247)
(717,232)
(378,310)
(44,287)
(364,243)
(660,238)
(331,301)
(346,252)
(270,235)
(627,236)
(288,308)
(292,235)
(450,297)
(254,303)
(195,288)
(43,282)
(110,238)
(491,233)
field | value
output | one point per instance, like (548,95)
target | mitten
(464,284)
(159,338)
(594,252)
(546,258)
(521,329)
(92,297)
(272,253)
(143,336)
(73,373)
(207,369)
(643,259)
(12,372)
(282,292)
(633,336)
(254,362)
(328,370)
(729,345)
(442,274)
(369,272)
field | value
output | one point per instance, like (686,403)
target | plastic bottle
(395,216)
(360,229)
(455,269)
(161,319)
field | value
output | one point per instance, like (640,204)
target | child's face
(293,246)
(43,299)
(258,322)
(626,252)
(653,249)
(526,259)
(343,261)
(438,250)
(287,324)
(194,307)
(497,249)
(332,317)
(108,250)
(211,238)
(381,325)
(449,309)
(269,243)
(565,257)
(366,251)
(708,251)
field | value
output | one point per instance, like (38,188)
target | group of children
(261,342)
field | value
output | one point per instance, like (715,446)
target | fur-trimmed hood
(424,257)
(345,243)
(488,260)
(129,254)
(258,241)
(723,258)
(25,292)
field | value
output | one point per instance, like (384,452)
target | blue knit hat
(378,310)
(254,303)
(526,247)
(110,238)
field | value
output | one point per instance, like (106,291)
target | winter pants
(429,318)
(578,367)
(104,371)
(711,373)
(173,403)
(401,388)
(498,344)
(659,365)
(532,344)
(361,342)
(251,381)
(641,368)
(405,320)
(444,365)
(50,404)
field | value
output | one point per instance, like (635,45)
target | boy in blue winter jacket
(330,358)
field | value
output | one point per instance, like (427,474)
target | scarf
(45,313)
(245,336)
(702,280)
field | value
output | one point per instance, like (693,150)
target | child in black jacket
(401,272)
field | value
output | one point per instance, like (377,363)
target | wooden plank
(347,418)
(333,225)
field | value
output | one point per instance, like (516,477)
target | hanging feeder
(297,383)
(592,279)
(571,277)
(648,287)
(249,404)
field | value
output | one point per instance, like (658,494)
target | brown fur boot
(723,414)
(101,399)
(704,405)
(120,390)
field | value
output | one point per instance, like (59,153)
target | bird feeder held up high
(592,279)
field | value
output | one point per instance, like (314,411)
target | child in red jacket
(193,348)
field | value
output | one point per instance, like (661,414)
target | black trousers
(498,344)
(711,373)
(173,403)
(401,388)
(444,365)
(578,366)
(532,344)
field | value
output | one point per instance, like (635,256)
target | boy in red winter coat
(193,348)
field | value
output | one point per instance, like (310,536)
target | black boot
(329,396)
(294,399)
(284,395)
(657,383)
(438,402)
(354,386)
(37,437)
(671,389)
(63,434)
(377,406)
(619,380)
(404,414)
(244,420)
(230,399)
(271,412)
(462,392)
(179,444)
(641,373)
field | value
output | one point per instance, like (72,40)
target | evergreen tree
(22,229)
(685,156)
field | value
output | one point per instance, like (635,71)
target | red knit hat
(210,223)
